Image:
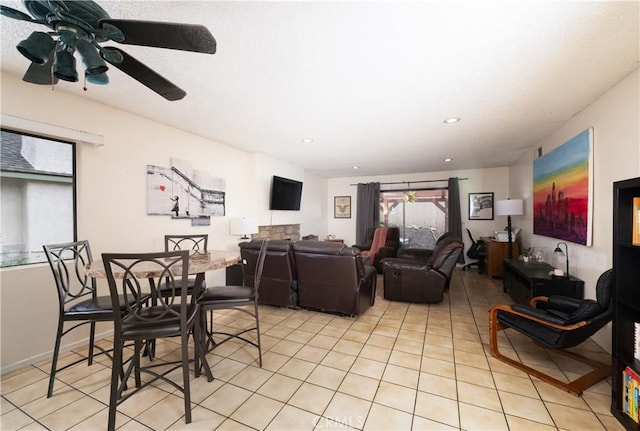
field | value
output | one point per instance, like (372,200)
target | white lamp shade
(510,207)
(243,226)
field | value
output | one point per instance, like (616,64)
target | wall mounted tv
(285,194)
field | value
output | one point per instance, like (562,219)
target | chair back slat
(259,267)
(137,276)
(68,262)
(186,242)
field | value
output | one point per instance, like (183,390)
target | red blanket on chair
(379,240)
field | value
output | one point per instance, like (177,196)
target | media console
(524,281)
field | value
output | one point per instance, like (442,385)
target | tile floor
(397,367)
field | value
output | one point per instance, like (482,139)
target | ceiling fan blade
(185,37)
(15,14)
(142,73)
(41,74)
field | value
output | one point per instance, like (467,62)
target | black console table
(524,281)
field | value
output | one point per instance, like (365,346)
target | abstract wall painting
(183,192)
(563,191)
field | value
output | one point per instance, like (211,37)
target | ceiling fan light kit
(91,60)
(81,25)
(64,65)
(37,47)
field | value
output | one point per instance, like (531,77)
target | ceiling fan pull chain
(84,87)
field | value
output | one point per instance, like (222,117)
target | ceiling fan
(80,27)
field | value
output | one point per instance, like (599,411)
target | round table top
(199,262)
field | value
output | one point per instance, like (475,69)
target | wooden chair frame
(575,387)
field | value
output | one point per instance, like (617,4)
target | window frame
(48,177)
(404,190)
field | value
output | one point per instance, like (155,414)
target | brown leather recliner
(411,280)
(332,277)
(389,249)
(278,283)
(421,253)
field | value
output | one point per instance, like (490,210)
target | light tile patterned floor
(397,367)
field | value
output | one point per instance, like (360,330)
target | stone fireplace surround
(289,232)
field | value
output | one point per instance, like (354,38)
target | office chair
(477,251)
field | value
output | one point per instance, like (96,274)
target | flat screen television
(285,194)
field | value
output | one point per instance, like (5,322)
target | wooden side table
(497,252)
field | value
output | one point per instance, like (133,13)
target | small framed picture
(342,207)
(481,206)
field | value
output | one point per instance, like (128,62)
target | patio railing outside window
(421,215)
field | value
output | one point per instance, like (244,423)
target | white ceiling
(372,82)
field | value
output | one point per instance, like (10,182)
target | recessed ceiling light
(448,159)
(355,167)
(307,140)
(451,120)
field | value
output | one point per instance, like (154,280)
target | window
(421,215)
(37,196)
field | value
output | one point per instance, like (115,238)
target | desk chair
(172,315)
(477,251)
(563,323)
(78,301)
(235,297)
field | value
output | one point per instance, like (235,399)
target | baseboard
(47,355)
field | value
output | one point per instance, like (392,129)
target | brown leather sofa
(414,280)
(278,285)
(332,277)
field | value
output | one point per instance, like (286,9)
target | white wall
(112,194)
(112,203)
(313,212)
(494,180)
(615,119)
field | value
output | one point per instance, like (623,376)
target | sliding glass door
(421,215)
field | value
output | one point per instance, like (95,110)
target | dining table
(199,263)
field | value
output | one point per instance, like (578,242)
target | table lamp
(558,252)
(243,226)
(510,207)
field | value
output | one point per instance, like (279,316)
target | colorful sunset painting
(562,185)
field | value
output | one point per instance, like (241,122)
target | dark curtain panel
(455,213)
(368,210)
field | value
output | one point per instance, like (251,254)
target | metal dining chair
(193,243)
(238,298)
(135,276)
(78,301)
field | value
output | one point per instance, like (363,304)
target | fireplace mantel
(289,232)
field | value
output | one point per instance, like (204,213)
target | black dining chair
(193,243)
(134,276)
(78,302)
(234,297)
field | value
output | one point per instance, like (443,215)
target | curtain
(367,210)
(455,212)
